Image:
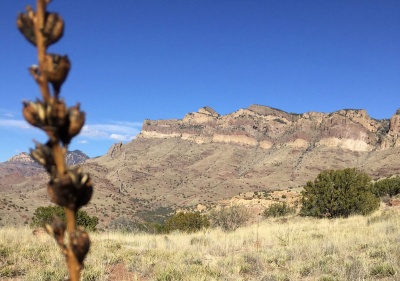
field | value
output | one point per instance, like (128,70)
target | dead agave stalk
(68,187)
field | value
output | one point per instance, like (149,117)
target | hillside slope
(205,158)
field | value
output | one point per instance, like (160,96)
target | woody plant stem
(58,152)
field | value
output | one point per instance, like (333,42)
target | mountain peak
(72,158)
(22,157)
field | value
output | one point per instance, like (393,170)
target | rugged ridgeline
(206,157)
(266,127)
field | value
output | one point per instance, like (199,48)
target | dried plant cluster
(68,187)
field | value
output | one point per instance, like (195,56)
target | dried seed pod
(52,117)
(30,113)
(56,69)
(85,192)
(57,114)
(42,112)
(72,190)
(26,27)
(83,185)
(59,194)
(44,156)
(34,113)
(60,111)
(74,124)
(80,244)
(57,230)
(76,121)
(53,28)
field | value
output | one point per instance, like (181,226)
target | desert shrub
(230,218)
(44,215)
(157,216)
(278,210)
(389,186)
(124,224)
(187,222)
(339,193)
(158,228)
(383,270)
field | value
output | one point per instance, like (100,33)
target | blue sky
(133,60)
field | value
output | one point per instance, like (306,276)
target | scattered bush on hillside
(124,224)
(230,218)
(339,193)
(156,216)
(186,222)
(388,186)
(279,210)
(45,215)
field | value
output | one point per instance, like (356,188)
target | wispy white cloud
(119,130)
(9,113)
(121,137)
(13,123)
(128,124)
(115,130)
(83,142)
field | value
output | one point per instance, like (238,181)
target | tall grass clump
(70,188)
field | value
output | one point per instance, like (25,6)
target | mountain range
(207,159)
(72,158)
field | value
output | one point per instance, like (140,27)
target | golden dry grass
(357,248)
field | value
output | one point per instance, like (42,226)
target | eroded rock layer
(267,127)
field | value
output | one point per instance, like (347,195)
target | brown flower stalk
(68,187)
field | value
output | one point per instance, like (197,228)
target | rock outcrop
(268,127)
(115,150)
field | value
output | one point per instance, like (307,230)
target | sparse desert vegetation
(199,198)
(290,248)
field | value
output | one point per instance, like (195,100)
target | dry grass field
(292,248)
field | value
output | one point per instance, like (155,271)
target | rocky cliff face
(266,127)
